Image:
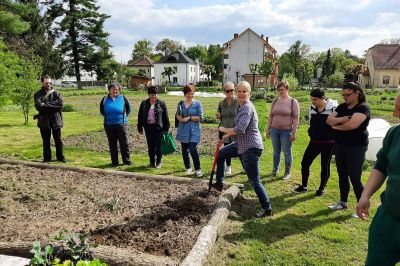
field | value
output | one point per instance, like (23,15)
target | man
(49,104)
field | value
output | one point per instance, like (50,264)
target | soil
(97,141)
(159,218)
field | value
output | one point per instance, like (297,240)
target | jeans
(229,141)
(349,163)
(153,137)
(46,135)
(250,160)
(281,142)
(191,148)
(118,133)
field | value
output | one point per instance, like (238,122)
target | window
(225,66)
(386,80)
(226,56)
(174,79)
(176,68)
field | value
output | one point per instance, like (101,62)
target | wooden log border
(122,256)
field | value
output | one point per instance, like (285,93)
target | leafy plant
(111,205)
(41,257)
(68,108)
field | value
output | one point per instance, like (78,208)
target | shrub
(210,120)
(68,108)
(335,80)
(211,83)
(293,82)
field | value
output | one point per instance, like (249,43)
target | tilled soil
(153,217)
(97,141)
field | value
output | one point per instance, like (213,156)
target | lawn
(302,231)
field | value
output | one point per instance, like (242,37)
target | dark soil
(97,141)
(153,217)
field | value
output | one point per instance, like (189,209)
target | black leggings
(349,163)
(312,151)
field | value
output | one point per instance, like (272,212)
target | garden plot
(156,217)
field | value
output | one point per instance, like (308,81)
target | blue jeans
(281,142)
(191,148)
(250,160)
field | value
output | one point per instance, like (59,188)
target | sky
(355,25)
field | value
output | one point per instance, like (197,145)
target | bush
(335,80)
(210,120)
(211,83)
(68,108)
(293,82)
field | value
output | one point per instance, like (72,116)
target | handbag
(167,144)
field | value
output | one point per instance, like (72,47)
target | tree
(354,70)
(10,18)
(208,70)
(167,46)
(266,69)
(169,71)
(197,52)
(83,41)
(142,48)
(214,57)
(254,70)
(306,71)
(296,54)
(292,80)
(328,67)
(285,66)
(9,66)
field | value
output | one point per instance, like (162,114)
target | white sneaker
(287,176)
(338,206)
(199,173)
(158,166)
(188,171)
(354,215)
(228,171)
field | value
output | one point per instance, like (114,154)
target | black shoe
(62,160)
(46,160)
(299,190)
(128,163)
(319,193)
(218,186)
(114,164)
(264,213)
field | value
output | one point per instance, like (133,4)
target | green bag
(167,144)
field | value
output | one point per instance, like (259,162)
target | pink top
(151,117)
(283,115)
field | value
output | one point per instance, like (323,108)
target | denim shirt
(189,131)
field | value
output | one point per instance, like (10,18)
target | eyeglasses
(48,83)
(345,95)
(228,91)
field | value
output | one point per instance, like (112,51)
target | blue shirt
(189,131)
(115,111)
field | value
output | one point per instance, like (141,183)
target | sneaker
(62,160)
(273,174)
(338,206)
(158,165)
(217,186)
(354,215)
(287,176)
(264,213)
(299,190)
(228,171)
(128,163)
(319,193)
(188,171)
(199,173)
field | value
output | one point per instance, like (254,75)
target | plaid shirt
(246,128)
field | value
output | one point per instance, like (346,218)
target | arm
(270,118)
(355,121)
(229,132)
(295,119)
(165,117)
(39,104)
(128,107)
(139,119)
(333,120)
(55,104)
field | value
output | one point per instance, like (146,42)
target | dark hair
(114,84)
(189,88)
(152,90)
(42,78)
(354,86)
(318,93)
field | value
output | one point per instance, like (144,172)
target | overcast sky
(355,25)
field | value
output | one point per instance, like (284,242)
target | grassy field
(302,231)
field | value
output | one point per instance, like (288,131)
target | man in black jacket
(49,104)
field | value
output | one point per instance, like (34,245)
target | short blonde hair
(283,83)
(244,84)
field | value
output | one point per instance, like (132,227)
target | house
(244,49)
(145,67)
(383,64)
(187,70)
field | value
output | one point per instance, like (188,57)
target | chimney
(266,39)
(262,36)
(235,35)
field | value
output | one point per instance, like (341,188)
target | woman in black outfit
(321,141)
(350,121)
(153,117)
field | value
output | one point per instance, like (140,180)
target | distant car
(68,84)
(175,84)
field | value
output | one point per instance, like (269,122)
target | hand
(141,132)
(345,119)
(293,136)
(221,129)
(362,208)
(41,104)
(180,118)
(218,115)
(268,134)
(220,142)
(186,119)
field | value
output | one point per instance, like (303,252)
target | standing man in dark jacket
(50,121)
(153,117)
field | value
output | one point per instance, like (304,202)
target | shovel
(213,167)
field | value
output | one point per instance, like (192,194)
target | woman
(383,240)
(350,121)
(282,127)
(226,113)
(189,113)
(248,147)
(321,141)
(153,117)
(116,108)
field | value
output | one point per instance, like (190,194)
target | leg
(46,134)
(185,155)
(111,132)
(123,139)
(341,165)
(157,142)
(308,157)
(287,150)
(276,146)
(225,152)
(151,149)
(355,164)
(251,160)
(59,144)
(195,155)
(326,156)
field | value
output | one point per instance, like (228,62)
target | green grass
(302,232)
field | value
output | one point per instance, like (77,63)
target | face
(47,83)
(228,91)
(283,91)
(153,97)
(114,91)
(242,94)
(350,96)
(189,95)
(396,111)
(318,102)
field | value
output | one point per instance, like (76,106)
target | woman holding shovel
(248,147)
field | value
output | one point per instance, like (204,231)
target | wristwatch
(190,118)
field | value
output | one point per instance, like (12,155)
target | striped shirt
(246,128)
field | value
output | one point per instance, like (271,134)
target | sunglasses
(228,91)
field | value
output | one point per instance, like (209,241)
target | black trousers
(349,163)
(46,135)
(118,134)
(312,151)
(153,137)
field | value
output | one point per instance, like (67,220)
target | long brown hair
(354,86)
